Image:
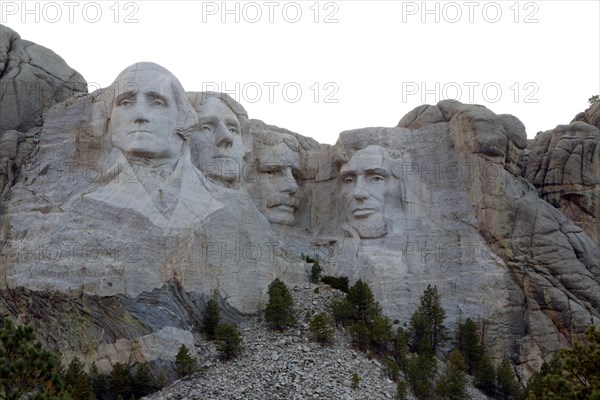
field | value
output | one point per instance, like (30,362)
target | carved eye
(348,180)
(125,103)
(206,128)
(377,178)
(158,103)
(233,129)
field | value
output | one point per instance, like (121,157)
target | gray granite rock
(116,214)
(564,167)
(32,79)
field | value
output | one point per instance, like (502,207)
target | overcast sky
(319,68)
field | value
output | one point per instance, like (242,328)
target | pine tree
(380,332)
(363,303)
(485,376)
(577,375)
(315,272)
(211,318)
(27,368)
(97,381)
(119,381)
(421,374)
(321,329)
(342,310)
(185,364)
(142,382)
(77,381)
(279,313)
(452,384)
(229,340)
(427,328)
(507,387)
(401,348)
(401,390)
(360,334)
(469,344)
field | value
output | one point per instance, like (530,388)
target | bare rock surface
(564,167)
(32,79)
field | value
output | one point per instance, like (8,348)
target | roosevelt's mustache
(283,201)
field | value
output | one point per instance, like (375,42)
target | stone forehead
(372,156)
(264,139)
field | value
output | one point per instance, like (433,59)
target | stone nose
(289,184)
(223,137)
(141,113)
(360,191)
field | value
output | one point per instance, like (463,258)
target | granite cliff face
(123,238)
(564,167)
(32,79)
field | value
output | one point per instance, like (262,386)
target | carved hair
(186,115)
(271,138)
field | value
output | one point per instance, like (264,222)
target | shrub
(185,364)
(391,369)
(279,313)
(211,318)
(336,282)
(315,272)
(321,329)
(355,381)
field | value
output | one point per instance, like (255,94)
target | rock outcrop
(32,79)
(126,237)
(564,167)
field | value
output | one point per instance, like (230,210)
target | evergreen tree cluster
(227,336)
(30,371)
(573,374)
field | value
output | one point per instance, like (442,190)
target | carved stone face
(143,121)
(364,184)
(217,146)
(276,184)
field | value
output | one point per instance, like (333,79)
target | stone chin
(281,215)
(370,228)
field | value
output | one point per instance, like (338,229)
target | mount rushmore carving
(142,201)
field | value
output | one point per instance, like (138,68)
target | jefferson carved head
(149,112)
(277,168)
(364,182)
(218,139)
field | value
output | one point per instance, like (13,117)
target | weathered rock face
(32,79)
(123,222)
(564,167)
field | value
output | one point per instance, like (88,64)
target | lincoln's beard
(370,228)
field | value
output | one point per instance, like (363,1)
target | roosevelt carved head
(275,184)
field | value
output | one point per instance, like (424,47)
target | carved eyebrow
(205,120)
(156,95)
(346,173)
(127,95)
(377,171)
(233,121)
(270,167)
